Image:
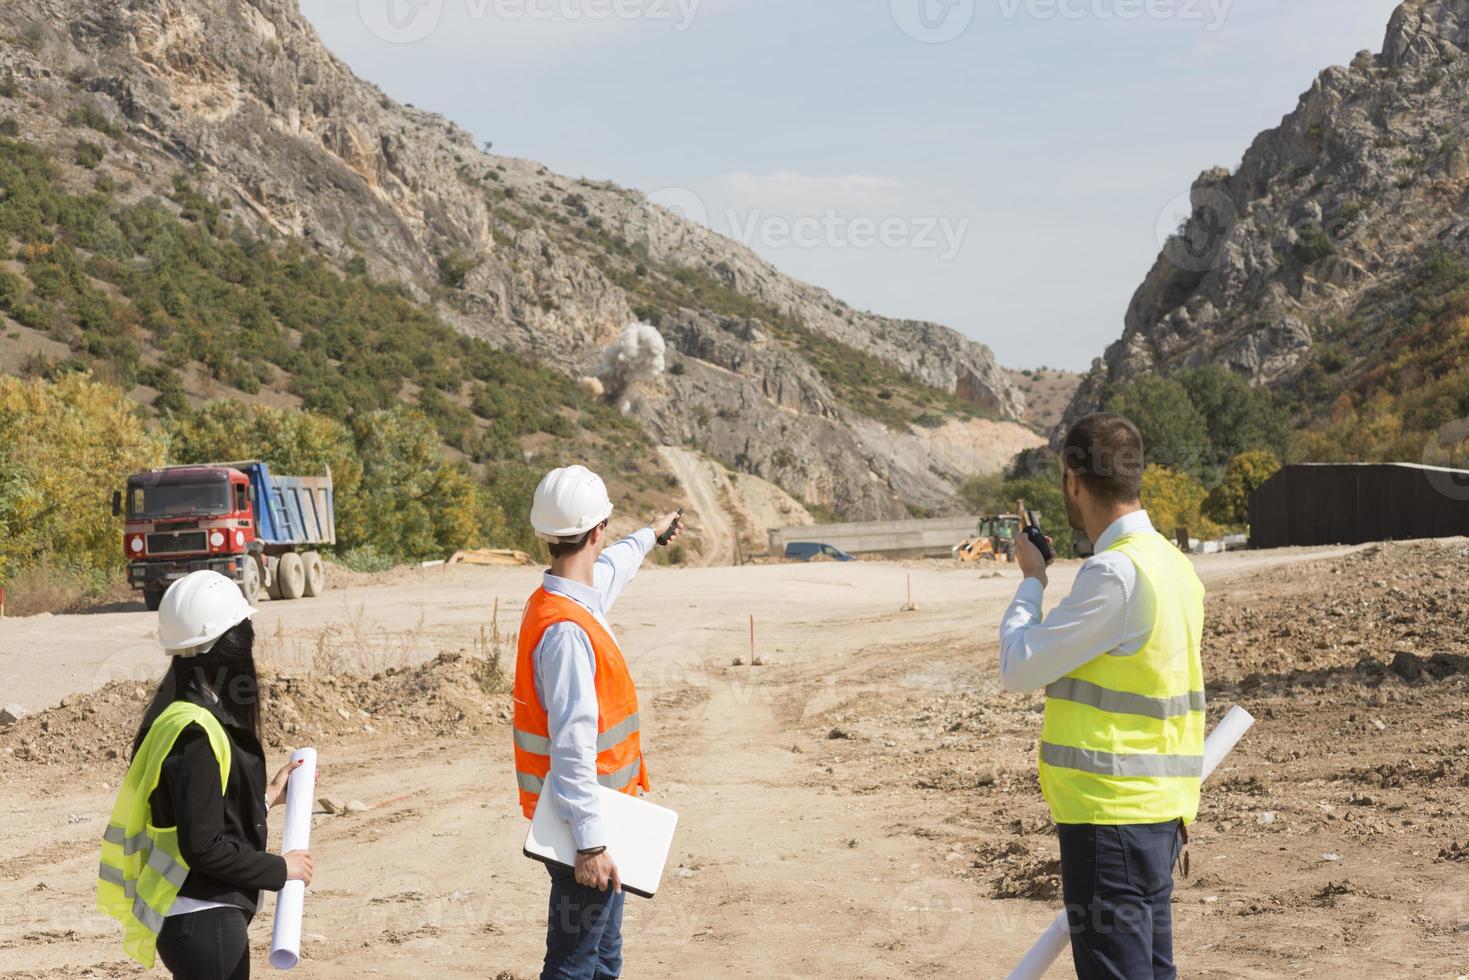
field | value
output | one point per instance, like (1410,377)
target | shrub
(1312,245)
(93,118)
(12,288)
(455,268)
(89,154)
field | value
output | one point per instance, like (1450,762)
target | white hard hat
(569,503)
(197,610)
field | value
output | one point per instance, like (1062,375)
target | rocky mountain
(1313,266)
(770,376)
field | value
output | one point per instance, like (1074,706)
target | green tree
(1175,433)
(1173,500)
(13,491)
(1238,416)
(415,503)
(68,444)
(1229,502)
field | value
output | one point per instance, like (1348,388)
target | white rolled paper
(1225,737)
(1220,743)
(285,940)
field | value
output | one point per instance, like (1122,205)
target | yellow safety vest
(142,870)
(1123,738)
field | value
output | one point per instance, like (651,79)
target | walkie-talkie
(1034,534)
(667,535)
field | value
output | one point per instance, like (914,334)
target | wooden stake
(910,607)
(752,639)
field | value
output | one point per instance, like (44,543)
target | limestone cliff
(771,376)
(1289,269)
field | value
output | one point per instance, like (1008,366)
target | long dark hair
(224,678)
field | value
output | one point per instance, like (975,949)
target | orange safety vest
(620,763)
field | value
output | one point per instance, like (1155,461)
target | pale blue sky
(1017,173)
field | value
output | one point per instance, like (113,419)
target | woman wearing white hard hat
(183,857)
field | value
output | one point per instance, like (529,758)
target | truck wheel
(271,566)
(250,580)
(290,576)
(315,573)
(152,598)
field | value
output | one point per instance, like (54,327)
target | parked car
(812,551)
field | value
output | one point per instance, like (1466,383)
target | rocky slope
(1303,268)
(769,375)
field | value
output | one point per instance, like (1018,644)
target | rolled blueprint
(1220,743)
(285,941)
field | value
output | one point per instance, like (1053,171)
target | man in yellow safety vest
(1122,743)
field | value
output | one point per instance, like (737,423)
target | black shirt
(221,835)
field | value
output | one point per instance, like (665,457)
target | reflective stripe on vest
(541,745)
(141,868)
(621,779)
(1124,702)
(1122,764)
(620,763)
(1123,737)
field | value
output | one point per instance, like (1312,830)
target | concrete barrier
(930,538)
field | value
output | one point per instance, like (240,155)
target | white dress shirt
(566,671)
(1109,612)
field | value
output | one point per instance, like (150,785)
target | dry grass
(50,587)
(352,648)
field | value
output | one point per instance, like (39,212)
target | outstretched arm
(620,562)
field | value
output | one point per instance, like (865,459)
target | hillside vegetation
(427,431)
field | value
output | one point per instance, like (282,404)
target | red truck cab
(186,518)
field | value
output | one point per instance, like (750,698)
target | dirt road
(699,478)
(862,805)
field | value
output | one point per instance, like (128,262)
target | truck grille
(177,542)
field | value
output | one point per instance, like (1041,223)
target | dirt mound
(453,694)
(1395,607)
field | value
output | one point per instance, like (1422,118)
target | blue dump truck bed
(292,510)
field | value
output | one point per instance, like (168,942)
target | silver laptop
(639,837)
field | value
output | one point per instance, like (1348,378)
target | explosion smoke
(636,356)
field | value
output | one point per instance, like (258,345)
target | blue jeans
(583,931)
(1117,883)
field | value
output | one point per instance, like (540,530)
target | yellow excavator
(993,540)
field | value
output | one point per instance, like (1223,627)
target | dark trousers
(1117,883)
(210,945)
(583,931)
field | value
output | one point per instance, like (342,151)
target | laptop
(639,837)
